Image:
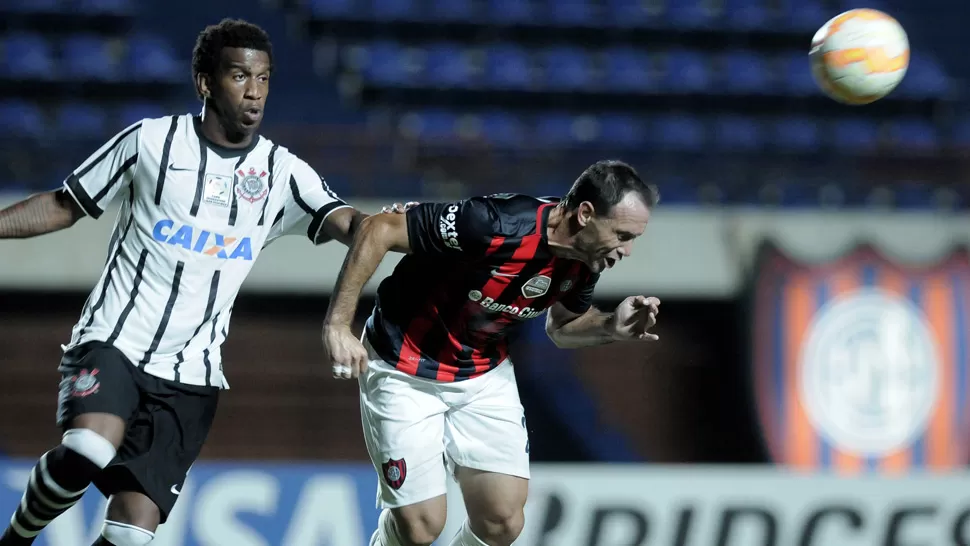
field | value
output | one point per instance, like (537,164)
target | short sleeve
(309,201)
(580,298)
(106,172)
(462,227)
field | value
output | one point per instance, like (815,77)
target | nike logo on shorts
(175,489)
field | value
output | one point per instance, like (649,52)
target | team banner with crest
(860,364)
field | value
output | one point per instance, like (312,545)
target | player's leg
(487,441)
(97,394)
(163,440)
(403,425)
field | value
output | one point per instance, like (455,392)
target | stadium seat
(854,135)
(628,70)
(960,135)
(28,56)
(89,57)
(744,72)
(104,7)
(914,195)
(512,12)
(152,59)
(745,14)
(797,71)
(924,79)
(334,9)
(633,13)
(80,121)
(386,63)
(508,66)
(687,72)
(691,14)
(738,134)
(573,13)
(502,129)
(436,126)
(796,134)
(804,15)
(131,113)
(34,6)
(622,131)
(913,134)
(21,119)
(447,66)
(556,129)
(453,10)
(680,132)
(566,68)
(395,10)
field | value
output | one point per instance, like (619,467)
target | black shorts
(167,421)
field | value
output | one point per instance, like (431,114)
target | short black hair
(228,33)
(605,183)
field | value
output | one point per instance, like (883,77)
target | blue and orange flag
(860,364)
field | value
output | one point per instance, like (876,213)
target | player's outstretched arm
(39,214)
(376,236)
(342,224)
(631,320)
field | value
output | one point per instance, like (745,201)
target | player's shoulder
(509,214)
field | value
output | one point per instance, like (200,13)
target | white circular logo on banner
(869,373)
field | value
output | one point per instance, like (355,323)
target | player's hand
(399,208)
(634,317)
(347,354)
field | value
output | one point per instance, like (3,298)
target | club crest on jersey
(536,286)
(252,185)
(395,471)
(566,285)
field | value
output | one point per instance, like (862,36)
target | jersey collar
(222,150)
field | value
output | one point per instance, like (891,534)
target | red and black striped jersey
(478,269)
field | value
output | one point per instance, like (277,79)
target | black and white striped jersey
(194,217)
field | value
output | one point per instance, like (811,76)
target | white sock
(466,537)
(386,533)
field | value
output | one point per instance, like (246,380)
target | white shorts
(417,430)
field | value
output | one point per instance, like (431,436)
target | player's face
(241,88)
(607,239)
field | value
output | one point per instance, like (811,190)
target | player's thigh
(97,391)
(403,425)
(489,432)
(162,442)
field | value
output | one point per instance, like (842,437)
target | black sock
(102,542)
(56,483)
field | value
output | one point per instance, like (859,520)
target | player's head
(608,207)
(231,65)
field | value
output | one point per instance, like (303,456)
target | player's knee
(419,527)
(90,445)
(124,534)
(498,524)
(135,510)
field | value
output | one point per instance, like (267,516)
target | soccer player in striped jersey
(201,197)
(437,389)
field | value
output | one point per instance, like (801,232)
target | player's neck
(559,239)
(217,134)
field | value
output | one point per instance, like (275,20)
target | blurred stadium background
(811,383)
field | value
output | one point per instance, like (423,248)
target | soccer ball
(859,56)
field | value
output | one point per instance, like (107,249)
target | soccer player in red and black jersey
(438,391)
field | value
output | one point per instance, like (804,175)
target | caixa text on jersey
(202,241)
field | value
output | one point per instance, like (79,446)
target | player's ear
(584,213)
(202,84)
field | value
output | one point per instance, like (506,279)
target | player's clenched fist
(347,354)
(634,317)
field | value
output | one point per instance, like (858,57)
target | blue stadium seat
(745,72)
(622,131)
(804,15)
(798,80)
(131,113)
(566,68)
(447,66)
(508,66)
(855,135)
(89,57)
(855,4)
(913,195)
(678,132)
(796,134)
(386,64)
(28,56)
(435,125)
(395,10)
(691,14)
(453,10)
(503,129)
(152,59)
(34,6)
(556,129)
(961,133)
(687,72)
(573,13)
(334,9)
(632,14)
(627,69)
(738,133)
(21,119)
(914,134)
(80,121)
(104,7)
(512,12)
(745,14)
(925,78)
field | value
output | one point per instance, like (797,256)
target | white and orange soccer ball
(859,56)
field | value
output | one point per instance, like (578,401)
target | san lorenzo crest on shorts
(860,364)
(252,186)
(395,471)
